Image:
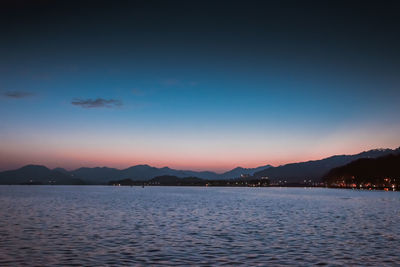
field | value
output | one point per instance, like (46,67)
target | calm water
(95,225)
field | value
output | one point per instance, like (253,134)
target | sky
(201,85)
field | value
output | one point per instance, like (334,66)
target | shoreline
(386,189)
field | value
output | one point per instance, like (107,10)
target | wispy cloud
(17,94)
(96,103)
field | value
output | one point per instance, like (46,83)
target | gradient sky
(196,84)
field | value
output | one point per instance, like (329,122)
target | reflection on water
(95,225)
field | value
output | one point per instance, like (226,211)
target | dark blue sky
(196,84)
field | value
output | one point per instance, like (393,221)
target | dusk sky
(201,85)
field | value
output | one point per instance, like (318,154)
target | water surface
(96,225)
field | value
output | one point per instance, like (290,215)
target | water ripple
(94,225)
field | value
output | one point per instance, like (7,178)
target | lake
(105,225)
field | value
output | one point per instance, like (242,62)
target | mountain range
(103,175)
(377,172)
(35,174)
(316,169)
(291,173)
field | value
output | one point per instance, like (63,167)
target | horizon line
(194,169)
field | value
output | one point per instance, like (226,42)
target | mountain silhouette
(380,172)
(103,175)
(316,169)
(36,174)
(237,172)
(291,173)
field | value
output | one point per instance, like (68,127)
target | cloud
(96,103)
(17,94)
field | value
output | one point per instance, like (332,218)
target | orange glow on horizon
(70,160)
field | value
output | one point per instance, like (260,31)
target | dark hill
(103,175)
(173,180)
(97,175)
(164,180)
(237,172)
(381,172)
(315,170)
(35,174)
